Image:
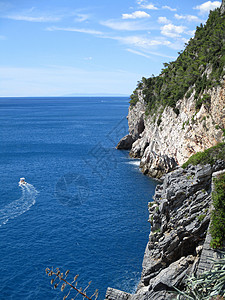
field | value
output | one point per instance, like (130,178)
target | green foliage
(217,228)
(200,66)
(188,94)
(133,98)
(207,286)
(201,218)
(157,231)
(205,99)
(209,156)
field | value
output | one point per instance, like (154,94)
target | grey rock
(219,164)
(173,275)
(113,294)
(180,218)
(125,143)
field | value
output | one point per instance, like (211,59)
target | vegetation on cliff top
(209,156)
(198,68)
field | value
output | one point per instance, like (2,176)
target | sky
(91,47)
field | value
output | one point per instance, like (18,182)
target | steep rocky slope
(162,147)
(171,117)
(179,217)
(168,125)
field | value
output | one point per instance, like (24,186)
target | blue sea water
(85,205)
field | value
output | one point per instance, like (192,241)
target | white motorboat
(22,181)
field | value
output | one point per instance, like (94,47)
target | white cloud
(138,53)
(189,18)
(128,26)
(169,8)
(149,6)
(88,58)
(2,37)
(33,19)
(207,6)
(149,53)
(140,1)
(142,42)
(136,15)
(163,20)
(171,30)
(81,30)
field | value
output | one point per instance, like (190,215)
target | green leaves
(209,156)
(217,228)
(209,285)
(200,66)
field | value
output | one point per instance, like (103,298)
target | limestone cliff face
(163,144)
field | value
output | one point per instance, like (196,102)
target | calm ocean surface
(85,207)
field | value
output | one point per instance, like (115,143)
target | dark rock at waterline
(125,143)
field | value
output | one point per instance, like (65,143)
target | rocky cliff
(171,117)
(179,217)
(163,146)
(167,122)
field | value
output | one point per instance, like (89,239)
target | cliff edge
(182,111)
(171,117)
(178,244)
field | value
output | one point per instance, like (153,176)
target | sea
(85,205)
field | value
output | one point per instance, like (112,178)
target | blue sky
(55,47)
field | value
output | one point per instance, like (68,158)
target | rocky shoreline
(164,141)
(177,246)
(167,125)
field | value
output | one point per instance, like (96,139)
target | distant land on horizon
(95,95)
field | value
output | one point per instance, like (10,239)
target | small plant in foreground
(60,279)
(207,286)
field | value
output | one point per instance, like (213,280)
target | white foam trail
(20,206)
(135,163)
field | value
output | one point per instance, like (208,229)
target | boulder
(125,143)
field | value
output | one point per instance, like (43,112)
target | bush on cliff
(217,228)
(209,156)
(200,66)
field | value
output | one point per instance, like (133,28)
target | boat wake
(20,206)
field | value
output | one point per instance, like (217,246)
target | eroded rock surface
(162,142)
(179,217)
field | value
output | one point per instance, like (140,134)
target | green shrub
(203,51)
(206,99)
(157,231)
(217,228)
(133,99)
(207,286)
(201,218)
(209,156)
